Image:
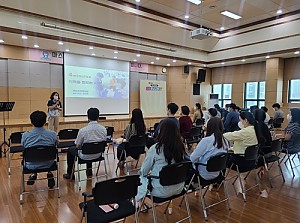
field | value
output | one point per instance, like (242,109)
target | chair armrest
(152,177)
(199,164)
(87,194)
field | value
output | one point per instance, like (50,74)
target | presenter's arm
(59,106)
(51,106)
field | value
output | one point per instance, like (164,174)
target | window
(294,91)
(255,94)
(224,92)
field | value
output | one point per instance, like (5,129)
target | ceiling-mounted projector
(201,33)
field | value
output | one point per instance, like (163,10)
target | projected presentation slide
(95,82)
(85,82)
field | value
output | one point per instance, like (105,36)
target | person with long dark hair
(292,131)
(135,127)
(260,116)
(248,135)
(169,149)
(213,144)
(198,114)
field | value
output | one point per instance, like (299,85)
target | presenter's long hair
(169,141)
(138,120)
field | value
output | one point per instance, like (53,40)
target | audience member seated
(232,119)
(172,108)
(39,136)
(278,114)
(212,112)
(225,112)
(213,144)
(135,127)
(198,114)
(249,135)
(185,122)
(217,107)
(267,115)
(292,131)
(205,115)
(168,149)
(260,116)
(93,132)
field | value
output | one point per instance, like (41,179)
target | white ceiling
(118,18)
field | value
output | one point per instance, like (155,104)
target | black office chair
(290,155)
(151,130)
(215,163)
(120,191)
(67,138)
(109,140)
(277,123)
(200,122)
(263,161)
(196,134)
(90,149)
(39,154)
(136,147)
(179,174)
(14,147)
(245,164)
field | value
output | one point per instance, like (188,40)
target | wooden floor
(281,205)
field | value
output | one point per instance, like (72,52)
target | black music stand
(5,107)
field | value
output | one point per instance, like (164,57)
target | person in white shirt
(267,119)
(93,132)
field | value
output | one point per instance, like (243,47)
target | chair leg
(241,183)
(203,204)
(226,195)
(289,159)
(137,162)
(98,168)
(8,163)
(165,211)
(78,174)
(114,151)
(153,211)
(281,171)
(188,208)
(268,174)
(22,187)
(57,180)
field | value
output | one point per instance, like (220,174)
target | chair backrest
(93,147)
(40,154)
(116,189)
(110,131)
(155,125)
(217,162)
(200,121)
(16,137)
(138,141)
(174,174)
(270,122)
(251,152)
(278,121)
(277,145)
(68,133)
(195,132)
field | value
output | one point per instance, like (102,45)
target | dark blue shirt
(231,121)
(158,127)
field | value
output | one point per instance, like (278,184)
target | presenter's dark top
(54,112)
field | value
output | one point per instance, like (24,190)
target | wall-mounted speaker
(186,69)
(201,75)
(196,89)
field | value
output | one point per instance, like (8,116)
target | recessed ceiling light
(297,52)
(186,16)
(222,28)
(60,43)
(1,41)
(222,63)
(231,15)
(115,57)
(67,50)
(36,46)
(93,54)
(24,37)
(189,63)
(196,2)
(279,11)
(91,48)
(137,0)
(138,55)
(134,60)
(243,60)
(267,57)
(168,64)
(152,62)
(174,61)
(157,58)
(116,52)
